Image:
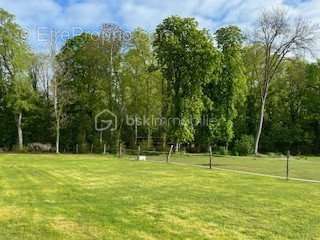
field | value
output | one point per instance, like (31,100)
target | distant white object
(142,158)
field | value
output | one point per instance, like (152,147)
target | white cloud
(90,14)
(86,14)
(33,12)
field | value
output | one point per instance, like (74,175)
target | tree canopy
(180,85)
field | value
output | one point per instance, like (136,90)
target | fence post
(288,157)
(138,152)
(91,148)
(77,148)
(169,153)
(120,150)
(210,157)
(104,149)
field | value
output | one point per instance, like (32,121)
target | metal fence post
(287,172)
(120,150)
(138,152)
(169,153)
(210,157)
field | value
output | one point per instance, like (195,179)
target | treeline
(181,85)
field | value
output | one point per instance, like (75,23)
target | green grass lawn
(100,197)
(299,167)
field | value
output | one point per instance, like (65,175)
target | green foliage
(228,92)
(15,60)
(179,74)
(14,52)
(85,85)
(311,97)
(221,130)
(17,94)
(21,96)
(244,146)
(142,82)
(291,118)
(187,58)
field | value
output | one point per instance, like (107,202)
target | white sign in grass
(142,158)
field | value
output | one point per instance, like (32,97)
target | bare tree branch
(280,36)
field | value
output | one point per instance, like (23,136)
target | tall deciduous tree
(21,97)
(312,102)
(114,41)
(142,82)
(279,37)
(186,56)
(15,59)
(80,85)
(231,87)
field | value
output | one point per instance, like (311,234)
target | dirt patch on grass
(7,213)
(204,230)
(143,235)
(75,229)
(181,223)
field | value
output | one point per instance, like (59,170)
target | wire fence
(279,166)
(301,168)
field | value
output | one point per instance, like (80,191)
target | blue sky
(69,17)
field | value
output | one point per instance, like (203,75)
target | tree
(230,90)
(15,59)
(279,37)
(142,82)
(311,101)
(41,74)
(12,46)
(21,99)
(53,83)
(253,61)
(113,42)
(186,57)
(283,115)
(81,87)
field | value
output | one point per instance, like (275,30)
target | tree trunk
(164,141)
(263,103)
(118,136)
(149,140)
(177,147)
(135,131)
(20,134)
(101,137)
(58,136)
(57,116)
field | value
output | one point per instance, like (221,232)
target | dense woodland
(224,86)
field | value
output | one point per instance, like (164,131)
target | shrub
(144,145)
(273,154)
(39,147)
(221,150)
(244,146)
(16,149)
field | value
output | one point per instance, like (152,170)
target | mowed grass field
(103,197)
(299,166)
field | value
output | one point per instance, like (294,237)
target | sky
(70,17)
